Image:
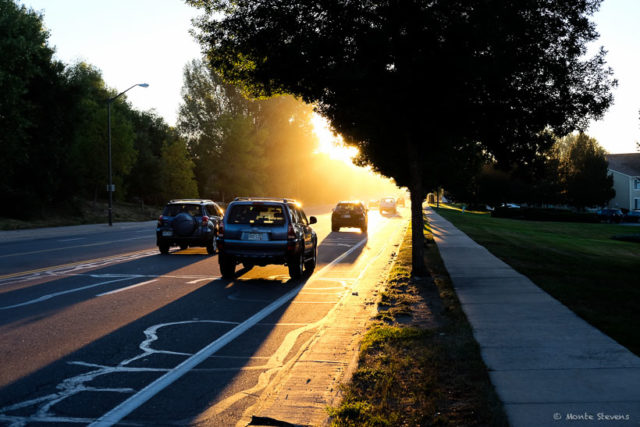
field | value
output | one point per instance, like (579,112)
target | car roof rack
(189,200)
(265,199)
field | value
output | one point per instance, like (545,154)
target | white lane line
(56,294)
(127,288)
(135,401)
(71,240)
(193,282)
(73,247)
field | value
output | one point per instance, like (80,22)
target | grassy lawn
(579,264)
(419,364)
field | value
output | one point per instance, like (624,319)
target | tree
(34,119)
(411,81)
(585,173)
(177,178)
(207,105)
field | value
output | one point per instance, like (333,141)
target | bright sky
(148,41)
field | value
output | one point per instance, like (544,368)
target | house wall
(635,194)
(622,184)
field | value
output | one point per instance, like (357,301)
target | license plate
(346,216)
(256,236)
(167,233)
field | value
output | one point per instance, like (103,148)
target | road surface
(99,328)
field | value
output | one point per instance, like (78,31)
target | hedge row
(544,214)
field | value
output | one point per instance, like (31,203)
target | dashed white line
(127,288)
(56,294)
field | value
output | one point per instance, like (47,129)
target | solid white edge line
(138,399)
(127,288)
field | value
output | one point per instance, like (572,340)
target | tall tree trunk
(417,221)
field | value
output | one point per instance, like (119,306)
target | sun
(330,144)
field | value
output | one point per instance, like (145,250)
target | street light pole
(110,188)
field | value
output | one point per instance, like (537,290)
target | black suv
(261,231)
(349,214)
(189,222)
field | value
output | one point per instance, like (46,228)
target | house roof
(628,164)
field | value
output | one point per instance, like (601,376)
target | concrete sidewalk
(548,366)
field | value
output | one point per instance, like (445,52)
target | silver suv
(261,231)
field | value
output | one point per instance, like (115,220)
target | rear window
(256,215)
(174,210)
(352,207)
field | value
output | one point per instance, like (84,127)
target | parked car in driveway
(610,215)
(631,216)
(189,222)
(262,231)
(388,205)
(349,214)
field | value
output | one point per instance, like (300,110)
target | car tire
(310,264)
(183,247)
(364,229)
(335,228)
(227,267)
(248,265)
(296,266)
(212,246)
(164,248)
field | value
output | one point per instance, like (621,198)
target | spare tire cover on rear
(184,224)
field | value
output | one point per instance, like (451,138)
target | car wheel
(296,266)
(335,227)
(227,267)
(363,229)
(310,264)
(248,265)
(183,247)
(212,246)
(164,248)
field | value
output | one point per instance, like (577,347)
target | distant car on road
(262,231)
(189,222)
(400,201)
(349,214)
(388,204)
(610,215)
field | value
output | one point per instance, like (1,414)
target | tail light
(291,239)
(205,220)
(160,221)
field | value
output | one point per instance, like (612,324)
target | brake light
(291,239)
(160,221)
(205,220)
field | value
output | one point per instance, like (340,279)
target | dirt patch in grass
(419,364)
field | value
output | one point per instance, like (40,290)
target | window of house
(636,204)
(636,184)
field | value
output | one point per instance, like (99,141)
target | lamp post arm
(110,100)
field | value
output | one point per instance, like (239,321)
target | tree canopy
(411,81)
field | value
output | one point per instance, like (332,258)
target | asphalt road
(98,327)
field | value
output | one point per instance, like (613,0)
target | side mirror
(313,220)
